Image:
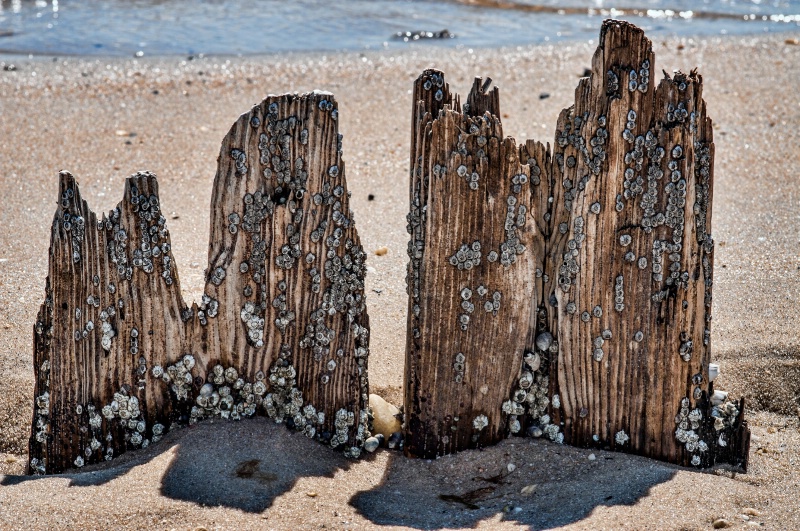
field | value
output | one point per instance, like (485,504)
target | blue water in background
(172,27)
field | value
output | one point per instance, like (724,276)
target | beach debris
(281,329)
(409,36)
(720,523)
(380,251)
(563,281)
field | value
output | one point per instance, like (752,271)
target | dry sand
(65,114)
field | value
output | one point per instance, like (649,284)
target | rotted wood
(281,330)
(471,270)
(619,258)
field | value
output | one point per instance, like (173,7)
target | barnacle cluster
(725,412)
(593,159)
(531,395)
(687,433)
(516,217)
(228,396)
(153,245)
(178,375)
(208,308)
(75,225)
(467,256)
(458,367)
(641,79)
(568,271)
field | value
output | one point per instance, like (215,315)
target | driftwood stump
(281,329)
(602,256)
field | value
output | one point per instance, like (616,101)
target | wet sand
(105,119)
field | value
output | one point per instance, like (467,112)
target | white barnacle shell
(188,361)
(79,461)
(480,422)
(533,361)
(621,437)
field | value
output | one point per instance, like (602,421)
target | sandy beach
(104,119)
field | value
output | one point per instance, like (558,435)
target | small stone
(771,429)
(395,441)
(592,457)
(534,431)
(749,511)
(380,251)
(385,416)
(720,523)
(370,197)
(511,467)
(311,494)
(372,444)
(527,490)
(544,95)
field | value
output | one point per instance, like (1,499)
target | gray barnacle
(480,422)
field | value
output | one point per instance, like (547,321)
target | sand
(104,119)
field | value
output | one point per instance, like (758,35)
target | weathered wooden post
(281,329)
(609,278)
(471,271)
(633,177)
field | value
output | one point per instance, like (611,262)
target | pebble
(544,95)
(534,431)
(371,444)
(527,490)
(720,523)
(511,467)
(395,441)
(380,251)
(385,416)
(592,457)
(371,197)
(749,511)
(311,494)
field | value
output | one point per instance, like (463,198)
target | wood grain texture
(633,160)
(612,347)
(281,330)
(471,273)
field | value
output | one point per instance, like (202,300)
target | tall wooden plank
(471,271)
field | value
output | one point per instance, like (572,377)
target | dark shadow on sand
(451,492)
(243,465)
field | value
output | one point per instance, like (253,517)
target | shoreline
(417,47)
(69,116)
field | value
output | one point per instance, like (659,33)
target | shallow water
(167,27)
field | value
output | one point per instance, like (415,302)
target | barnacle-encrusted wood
(471,271)
(633,174)
(618,254)
(281,329)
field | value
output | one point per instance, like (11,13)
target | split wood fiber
(281,330)
(602,256)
